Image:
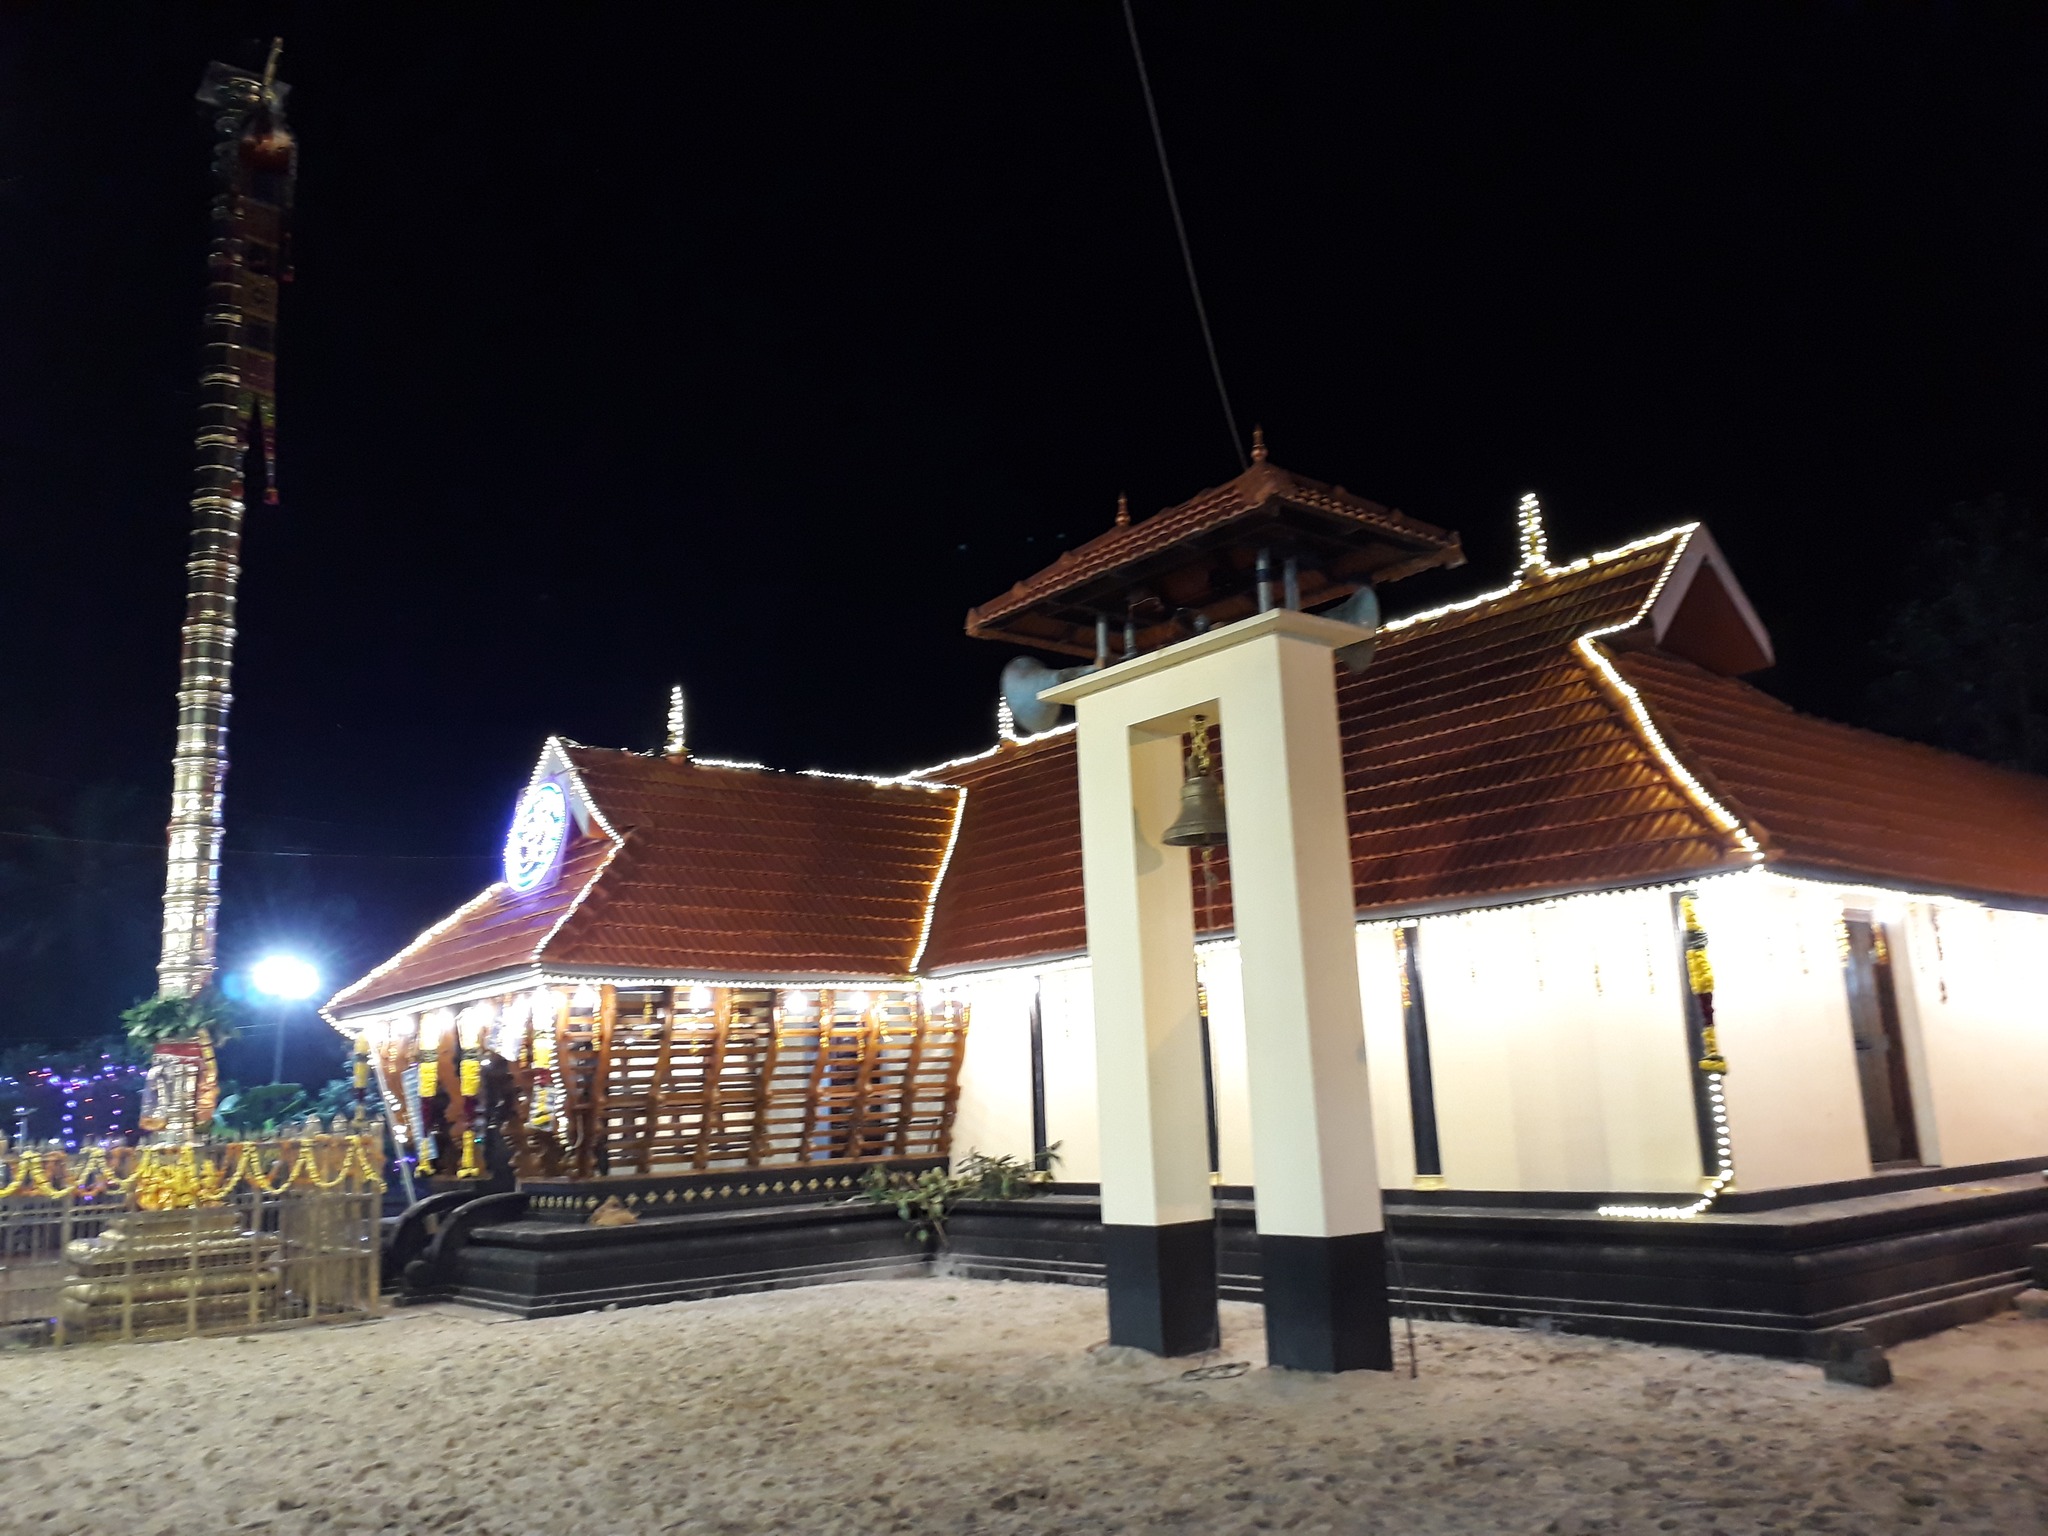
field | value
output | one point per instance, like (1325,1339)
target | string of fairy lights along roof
(1180,229)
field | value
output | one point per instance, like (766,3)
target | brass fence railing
(116,1242)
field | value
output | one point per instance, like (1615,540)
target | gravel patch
(964,1406)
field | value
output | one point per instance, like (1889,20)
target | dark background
(748,346)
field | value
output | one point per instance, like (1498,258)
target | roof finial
(1123,510)
(677,747)
(1258,445)
(1534,541)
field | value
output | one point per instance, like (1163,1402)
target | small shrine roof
(1197,556)
(697,869)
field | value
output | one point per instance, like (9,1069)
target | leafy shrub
(250,1111)
(154,1020)
(926,1201)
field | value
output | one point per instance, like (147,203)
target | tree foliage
(265,1107)
(1966,662)
(160,1018)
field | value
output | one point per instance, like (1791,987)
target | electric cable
(1180,228)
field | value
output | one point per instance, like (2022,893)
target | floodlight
(285,977)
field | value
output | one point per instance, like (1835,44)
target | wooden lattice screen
(759,1077)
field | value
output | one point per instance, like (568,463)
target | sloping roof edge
(1622,692)
(555,749)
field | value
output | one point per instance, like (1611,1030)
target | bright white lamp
(285,977)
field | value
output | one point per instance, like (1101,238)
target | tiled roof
(1264,486)
(496,930)
(724,871)
(1482,758)
(1841,801)
(1485,757)
(1014,884)
(753,873)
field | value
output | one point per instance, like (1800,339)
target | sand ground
(961,1406)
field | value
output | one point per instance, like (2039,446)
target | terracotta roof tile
(497,930)
(1481,758)
(1848,802)
(719,871)
(1251,497)
(1014,885)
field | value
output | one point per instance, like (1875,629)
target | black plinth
(1326,1302)
(1162,1286)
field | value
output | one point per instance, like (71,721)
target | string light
(677,746)
(1534,541)
(931,899)
(988,752)
(1699,976)
(1584,563)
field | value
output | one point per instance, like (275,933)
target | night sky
(748,346)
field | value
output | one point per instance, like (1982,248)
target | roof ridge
(1542,585)
(1947,755)
(582,897)
(1689,778)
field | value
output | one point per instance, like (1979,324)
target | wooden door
(1880,1044)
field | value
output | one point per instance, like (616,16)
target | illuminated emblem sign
(538,827)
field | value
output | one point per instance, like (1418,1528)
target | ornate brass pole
(255,159)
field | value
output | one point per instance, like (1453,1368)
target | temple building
(1687,1016)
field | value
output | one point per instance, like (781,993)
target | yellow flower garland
(164,1178)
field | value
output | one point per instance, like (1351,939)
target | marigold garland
(173,1177)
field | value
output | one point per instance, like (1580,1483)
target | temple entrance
(1881,1069)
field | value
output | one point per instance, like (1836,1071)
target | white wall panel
(1223,980)
(994,1115)
(1557,1041)
(1386,1054)
(1976,1014)
(1795,1111)
(1067,1014)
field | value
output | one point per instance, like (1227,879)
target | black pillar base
(1162,1287)
(1326,1302)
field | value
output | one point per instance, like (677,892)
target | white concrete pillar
(1320,1230)
(1158,1222)
(1270,681)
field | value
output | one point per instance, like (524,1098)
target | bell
(1201,823)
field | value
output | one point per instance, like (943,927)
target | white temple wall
(994,1116)
(1558,1047)
(1971,1000)
(1386,1054)
(1223,980)
(1067,1013)
(1795,1112)
(1559,1051)
(1557,1041)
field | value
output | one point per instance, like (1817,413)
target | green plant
(157,1019)
(262,1108)
(336,1096)
(925,1202)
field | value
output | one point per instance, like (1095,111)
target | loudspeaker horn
(1363,609)
(1024,679)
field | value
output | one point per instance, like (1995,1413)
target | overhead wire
(1180,228)
(244,853)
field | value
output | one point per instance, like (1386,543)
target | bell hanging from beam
(1201,822)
